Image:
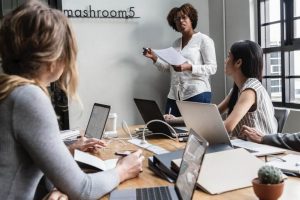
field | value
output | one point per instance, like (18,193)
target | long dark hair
(252,64)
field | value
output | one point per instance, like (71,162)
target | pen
(170,110)
(124,153)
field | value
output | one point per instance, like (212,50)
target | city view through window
(270,22)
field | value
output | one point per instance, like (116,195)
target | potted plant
(269,184)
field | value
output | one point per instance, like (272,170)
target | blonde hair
(34,36)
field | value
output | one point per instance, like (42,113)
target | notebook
(206,120)
(96,124)
(149,110)
(185,183)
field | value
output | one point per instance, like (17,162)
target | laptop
(292,124)
(206,119)
(185,184)
(149,110)
(96,124)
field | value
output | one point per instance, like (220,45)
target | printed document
(288,163)
(170,55)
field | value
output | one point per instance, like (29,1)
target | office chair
(281,115)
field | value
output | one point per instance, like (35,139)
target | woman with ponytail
(248,103)
(37,47)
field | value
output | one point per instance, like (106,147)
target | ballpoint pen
(170,110)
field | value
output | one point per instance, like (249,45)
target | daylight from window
(274,59)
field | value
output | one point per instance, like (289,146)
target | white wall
(111,66)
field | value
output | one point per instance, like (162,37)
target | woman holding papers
(248,103)
(37,46)
(189,80)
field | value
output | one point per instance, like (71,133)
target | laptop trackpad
(128,194)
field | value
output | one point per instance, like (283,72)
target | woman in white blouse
(190,80)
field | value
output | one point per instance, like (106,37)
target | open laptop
(185,183)
(206,119)
(149,110)
(292,124)
(96,124)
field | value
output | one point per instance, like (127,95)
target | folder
(157,170)
(163,162)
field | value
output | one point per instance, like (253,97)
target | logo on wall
(128,13)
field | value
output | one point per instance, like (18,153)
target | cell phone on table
(124,153)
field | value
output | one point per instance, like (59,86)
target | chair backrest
(281,114)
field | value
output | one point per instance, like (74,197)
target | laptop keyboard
(157,193)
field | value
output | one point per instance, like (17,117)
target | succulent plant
(270,175)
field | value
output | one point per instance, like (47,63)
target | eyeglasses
(178,18)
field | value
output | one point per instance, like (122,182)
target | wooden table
(148,179)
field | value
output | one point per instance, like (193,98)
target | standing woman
(248,103)
(37,46)
(190,80)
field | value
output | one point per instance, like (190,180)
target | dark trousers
(204,97)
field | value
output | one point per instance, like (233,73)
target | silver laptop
(96,124)
(292,124)
(185,183)
(206,119)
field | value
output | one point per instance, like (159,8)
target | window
(279,36)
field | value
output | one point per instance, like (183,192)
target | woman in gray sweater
(37,47)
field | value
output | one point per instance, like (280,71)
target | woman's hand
(130,166)
(56,195)
(251,134)
(172,119)
(183,67)
(150,54)
(87,144)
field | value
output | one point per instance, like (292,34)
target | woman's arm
(36,129)
(246,100)
(208,55)
(223,106)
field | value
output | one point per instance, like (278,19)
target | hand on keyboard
(87,144)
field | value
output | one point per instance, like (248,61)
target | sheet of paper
(257,149)
(170,55)
(290,163)
(94,161)
(150,147)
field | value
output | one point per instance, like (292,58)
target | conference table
(148,179)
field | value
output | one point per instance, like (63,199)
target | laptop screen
(149,110)
(97,121)
(190,165)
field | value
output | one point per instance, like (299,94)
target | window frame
(288,44)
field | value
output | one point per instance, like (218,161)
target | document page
(288,163)
(170,55)
(94,161)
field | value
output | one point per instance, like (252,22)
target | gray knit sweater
(30,146)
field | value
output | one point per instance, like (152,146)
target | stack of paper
(67,134)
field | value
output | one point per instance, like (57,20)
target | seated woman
(248,103)
(37,46)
